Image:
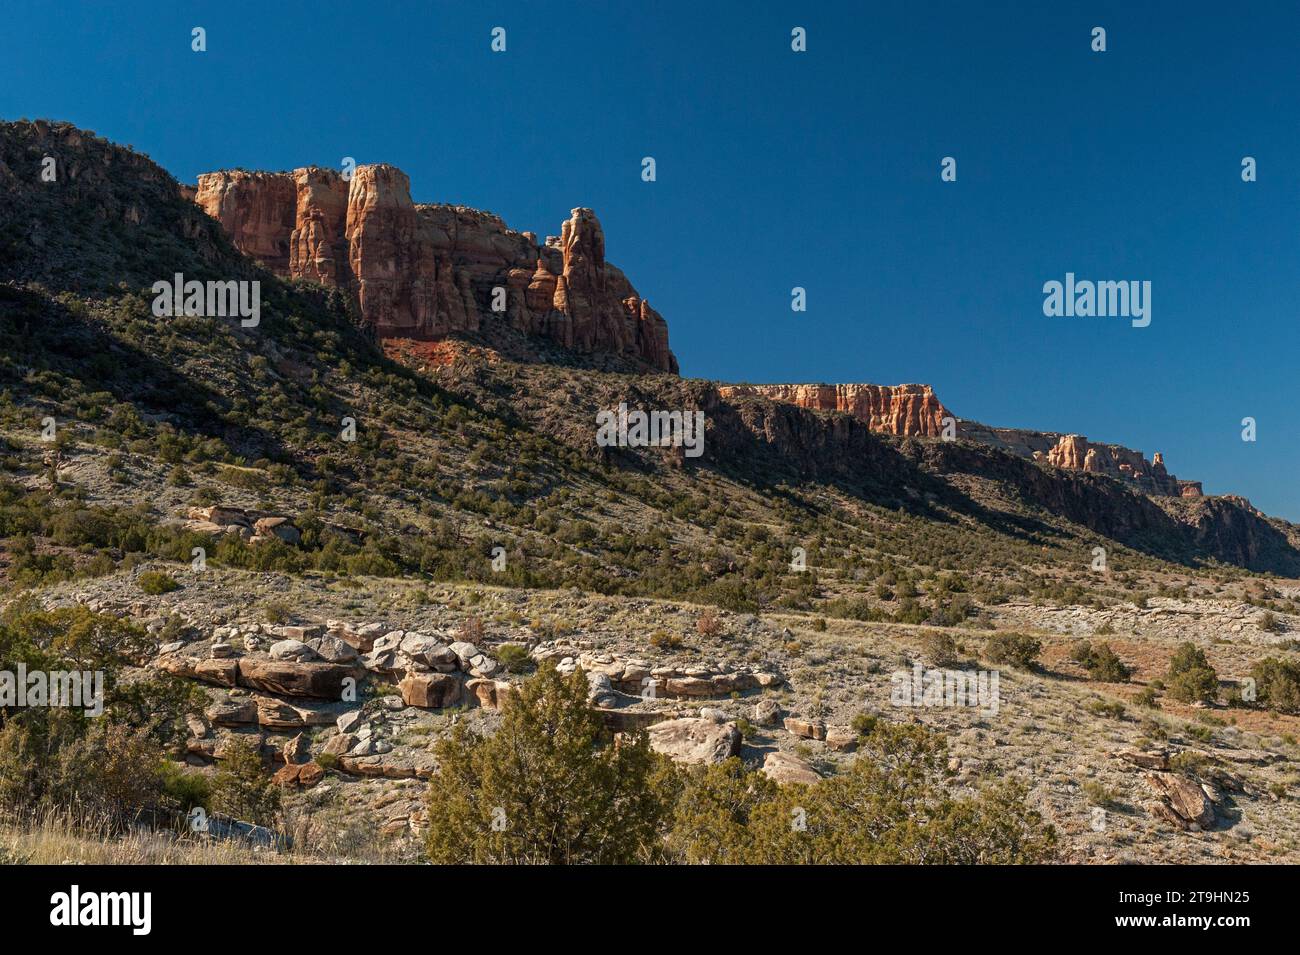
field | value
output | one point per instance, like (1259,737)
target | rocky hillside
(273,516)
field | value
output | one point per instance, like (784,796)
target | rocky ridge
(915,411)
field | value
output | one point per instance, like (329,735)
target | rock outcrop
(424,272)
(256,209)
(915,411)
(891,409)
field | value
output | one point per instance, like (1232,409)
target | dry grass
(59,840)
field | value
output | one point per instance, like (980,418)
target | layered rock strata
(424,272)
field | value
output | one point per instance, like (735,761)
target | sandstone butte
(423,272)
(915,410)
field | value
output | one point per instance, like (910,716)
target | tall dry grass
(57,838)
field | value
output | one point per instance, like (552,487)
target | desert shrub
(470,630)
(663,640)
(242,787)
(1148,698)
(1191,678)
(940,649)
(60,756)
(1097,793)
(1101,662)
(109,772)
(891,806)
(186,789)
(708,624)
(154,583)
(276,610)
(514,658)
(547,787)
(1277,684)
(1014,649)
(952,612)
(1112,709)
(1185,761)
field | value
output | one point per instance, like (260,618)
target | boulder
(695,741)
(333,650)
(465,653)
(806,729)
(297,750)
(431,691)
(1182,801)
(786,768)
(294,650)
(301,632)
(349,721)
(767,713)
(278,715)
(841,738)
(600,691)
(239,712)
(309,774)
(1152,759)
(279,527)
(320,680)
(491,694)
(340,743)
(364,637)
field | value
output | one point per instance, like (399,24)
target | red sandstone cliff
(892,409)
(914,410)
(427,271)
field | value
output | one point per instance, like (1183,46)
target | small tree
(242,788)
(939,648)
(1191,678)
(890,807)
(548,786)
(1016,649)
(1277,684)
(1101,662)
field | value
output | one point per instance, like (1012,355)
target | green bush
(1101,662)
(242,788)
(514,658)
(890,807)
(154,583)
(1191,678)
(1014,649)
(940,649)
(1277,684)
(548,786)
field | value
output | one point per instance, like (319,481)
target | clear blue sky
(819,169)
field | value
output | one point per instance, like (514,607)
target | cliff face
(892,409)
(914,410)
(426,271)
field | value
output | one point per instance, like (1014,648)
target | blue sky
(818,169)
